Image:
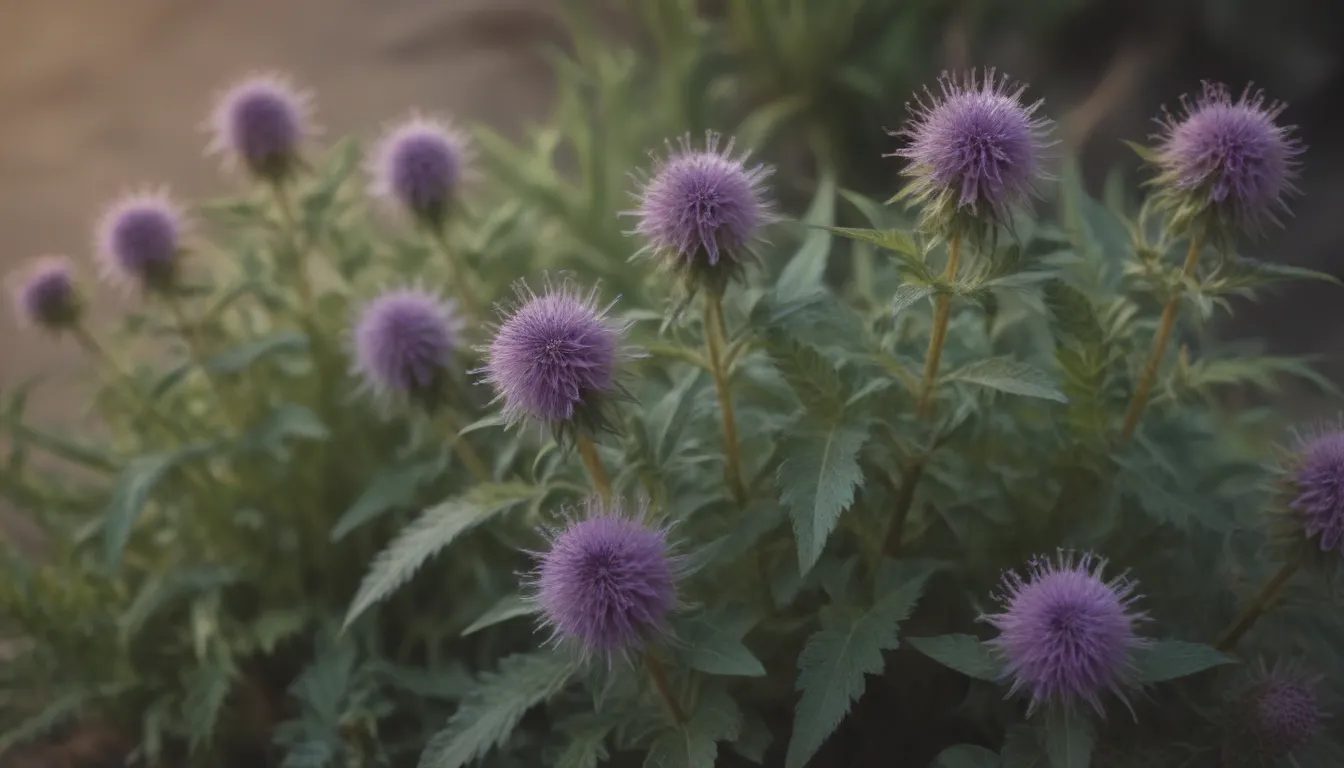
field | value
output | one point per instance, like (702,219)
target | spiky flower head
(403,345)
(1224,164)
(1319,501)
(418,165)
(975,151)
(1066,634)
(45,294)
(139,241)
(555,356)
(260,124)
(1277,713)
(608,582)
(701,210)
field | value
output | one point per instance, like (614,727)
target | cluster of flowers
(608,582)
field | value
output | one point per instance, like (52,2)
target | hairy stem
(715,338)
(300,253)
(1164,329)
(896,532)
(659,676)
(596,472)
(942,311)
(458,273)
(470,459)
(1256,607)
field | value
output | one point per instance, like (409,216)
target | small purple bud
(45,294)
(1066,635)
(608,583)
(554,358)
(418,165)
(975,150)
(261,124)
(1279,712)
(1225,161)
(702,207)
(404,341)
(1319,504)
(139,241)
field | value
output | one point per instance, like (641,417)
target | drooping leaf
(132,493)
(272,434)
(246,355)
(817,481)
(490,714)
(895,240)
(207,689)
(587,746)
(1007,375)
(716,718)
(966,756)
(509,607)
(436,528)
(1171,659)
(805,272)
(962,653)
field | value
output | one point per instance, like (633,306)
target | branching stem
(659,676)
(1256,607)
(593,463)
(941,313)
(715,337)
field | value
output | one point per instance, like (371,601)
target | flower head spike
(139,241)
(555,356)
(1278,712)
(260,124)
(608,582)
(1225,163)
(45,294)
(1066,634)
(975,151)
(418,165)
(403,344)
(701,209)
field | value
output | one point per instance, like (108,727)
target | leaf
(508,607)
(162,589)
(436,528)
(754,740)
(207,689)
(242,357)
(1008,375)
(806,271)
(56,445)
(716,718)
(490,714)
(131,495)
(393,487)
(1171,659)
(715,648)
(962,653)
(817,481)
(895,240)
(1069,738)
(835,661)
(909,294)
(286,422)
(811,376)
(587,746)
(966,756)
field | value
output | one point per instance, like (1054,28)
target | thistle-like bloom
(1278,712)
(1225,158)
(45,294)
(975,150)
(555,356)
(261,123)
(404,342)
(139,241)
(418,165)
(1319,504)
(608,582)
(1065,634)
(702,206)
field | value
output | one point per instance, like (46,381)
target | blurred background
(96,96)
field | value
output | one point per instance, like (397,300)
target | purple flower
(974,149)
(1278,712)
(1320,490)
(419,165)
(701,206)
(1065,634)
(1226,158)
(554,357)
(404,342)
(139,241)
(261,123)
(608,582)
(45,295)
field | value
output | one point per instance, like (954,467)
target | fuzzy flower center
(1234,149)
(1320,486)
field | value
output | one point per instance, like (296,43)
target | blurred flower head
(404,342)
(418,165)
(701,209)
(608,582)
(45,294)
(1066,634)
(139,241)
(554,357)
(974,149)
(261,123)
(1319,501)
(1224,161)
(1278,712)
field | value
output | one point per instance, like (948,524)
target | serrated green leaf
(587,746)
(508,607)
(811,376)
(817,481)
(1011,376)
(244,356)
(134,486)
(436,528)
(909,294)
(489,715)
(1074,317)
(966,756)
(716,718)
(394,486)
(1069,738)
(805,272)
(894,240)
(962,653)
(290,421)
(207,688)
(715,648)
(1171,659)
(163,589)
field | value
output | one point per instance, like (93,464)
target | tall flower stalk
(715,341)
(938,337)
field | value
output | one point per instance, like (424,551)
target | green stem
(941,314)
(190,334)
(460,275)
(125,385)
(299,253)
(1256,607)
(715,335)
(1164,329)
(593,463)
(659,676)
(910,478)
(470,459)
